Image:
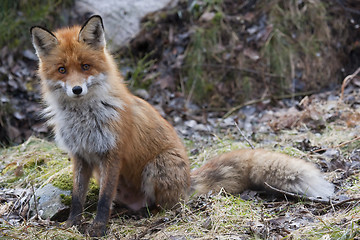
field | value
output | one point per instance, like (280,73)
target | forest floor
(321,129)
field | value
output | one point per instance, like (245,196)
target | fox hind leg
(166,179)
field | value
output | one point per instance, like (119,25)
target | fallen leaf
(207,16)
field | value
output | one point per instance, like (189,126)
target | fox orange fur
(123,141)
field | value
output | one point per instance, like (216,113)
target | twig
(340,145)
(346,82)
(347,9)
(313,199)
(242,134)
(37,216)
(337,203)
(251,102)
(341,203)
(14,204)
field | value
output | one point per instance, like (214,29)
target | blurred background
(188,58)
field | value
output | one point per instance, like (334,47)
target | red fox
(134,153)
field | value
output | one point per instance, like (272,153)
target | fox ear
(92,32)
(43,40)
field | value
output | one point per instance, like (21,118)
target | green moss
(218,18)
(9,168)
(291,151)
(34,162)
(93,194)
(351,146)
(66,199)
(63,181)
(11,180)
(189,143)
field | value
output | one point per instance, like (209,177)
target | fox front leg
(109,174)
(82,173)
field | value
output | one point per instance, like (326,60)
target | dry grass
(217,215)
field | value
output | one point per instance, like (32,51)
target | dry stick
(297,195)
(341,202)
(340,145)
(247,140)
(37,216)
(347,80)
(14,205)
(251,102)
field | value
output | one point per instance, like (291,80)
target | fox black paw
(97,230)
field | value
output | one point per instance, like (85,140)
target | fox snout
(78,86)
(77,90)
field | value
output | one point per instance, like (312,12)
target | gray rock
(121,18)
(190,123)
(202,128)
(142,93)
(49,201)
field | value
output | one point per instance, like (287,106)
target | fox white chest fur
(82,125)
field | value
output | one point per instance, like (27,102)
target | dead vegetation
(332,143)
(250,61)
(218,54)
(225,52)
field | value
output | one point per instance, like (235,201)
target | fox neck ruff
(83,125)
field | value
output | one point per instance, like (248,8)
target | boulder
(50,203)
(121,18)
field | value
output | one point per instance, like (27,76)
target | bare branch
(346,82)
(242,134)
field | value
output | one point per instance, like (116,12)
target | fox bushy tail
(244,169)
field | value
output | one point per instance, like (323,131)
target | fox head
(72,60)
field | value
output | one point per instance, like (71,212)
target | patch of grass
(138,75)
(38,162)
(32,230)
(198,83)
(32,162)
(200,52)
(338,225)
(218,216)
(298,45)
(17,17)
(291,151)
(221,145)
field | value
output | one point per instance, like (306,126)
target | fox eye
(85,67)
(62,70)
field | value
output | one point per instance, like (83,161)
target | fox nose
(77,90)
